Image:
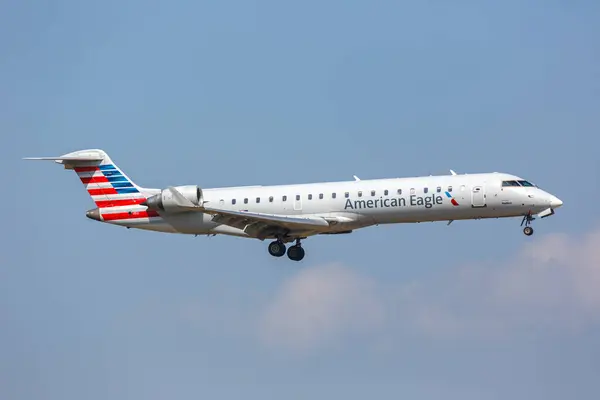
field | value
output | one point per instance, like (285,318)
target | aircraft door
(298,202)
(478,196)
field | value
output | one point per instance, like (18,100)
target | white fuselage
(360,203)
(290,213)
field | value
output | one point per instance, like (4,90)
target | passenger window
(372,193)
(449,188)
(284,198)
(385,192)
(320,195)
(270,199)
(310,196)
(333,195)
(425,190)
(258,199)
(399,191)
(347,194)
(359,194)
(232,201)
(297,197)
(246,201)
(439,189)
(412,191)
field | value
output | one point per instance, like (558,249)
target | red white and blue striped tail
(104,181)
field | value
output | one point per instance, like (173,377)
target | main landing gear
(527,221)
(294,253)
(277,248)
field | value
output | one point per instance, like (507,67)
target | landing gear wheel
(527,218)
(295,253)
(276,248)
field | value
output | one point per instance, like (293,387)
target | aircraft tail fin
(104,181)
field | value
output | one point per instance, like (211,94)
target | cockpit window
(525,183)
(510,183)
(518,183)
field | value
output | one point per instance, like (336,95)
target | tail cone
(93,214)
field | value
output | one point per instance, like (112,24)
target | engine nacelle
(167,201)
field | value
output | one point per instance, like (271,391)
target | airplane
(292,213)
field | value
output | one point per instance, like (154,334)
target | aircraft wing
(261,225)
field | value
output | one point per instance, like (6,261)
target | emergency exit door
(478,196)
(298,203)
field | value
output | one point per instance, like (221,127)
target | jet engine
(176,199)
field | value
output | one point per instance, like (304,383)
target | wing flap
(306,222)
(262,225)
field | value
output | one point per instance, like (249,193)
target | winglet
(452,172)
(356,178)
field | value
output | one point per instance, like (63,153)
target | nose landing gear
(527,221)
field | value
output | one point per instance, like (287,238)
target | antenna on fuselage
(452,172)
(356,178)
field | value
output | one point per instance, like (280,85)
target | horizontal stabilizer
(58,159)
(74,158)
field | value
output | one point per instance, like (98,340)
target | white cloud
(319,305)
(553,284)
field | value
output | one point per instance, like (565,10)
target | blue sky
(243,93)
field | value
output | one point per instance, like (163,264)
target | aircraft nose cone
(93,214)
(555,202)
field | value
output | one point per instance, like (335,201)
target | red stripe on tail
(94,179)
(86,169)
(98,192)
(129,215)
(119,202)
